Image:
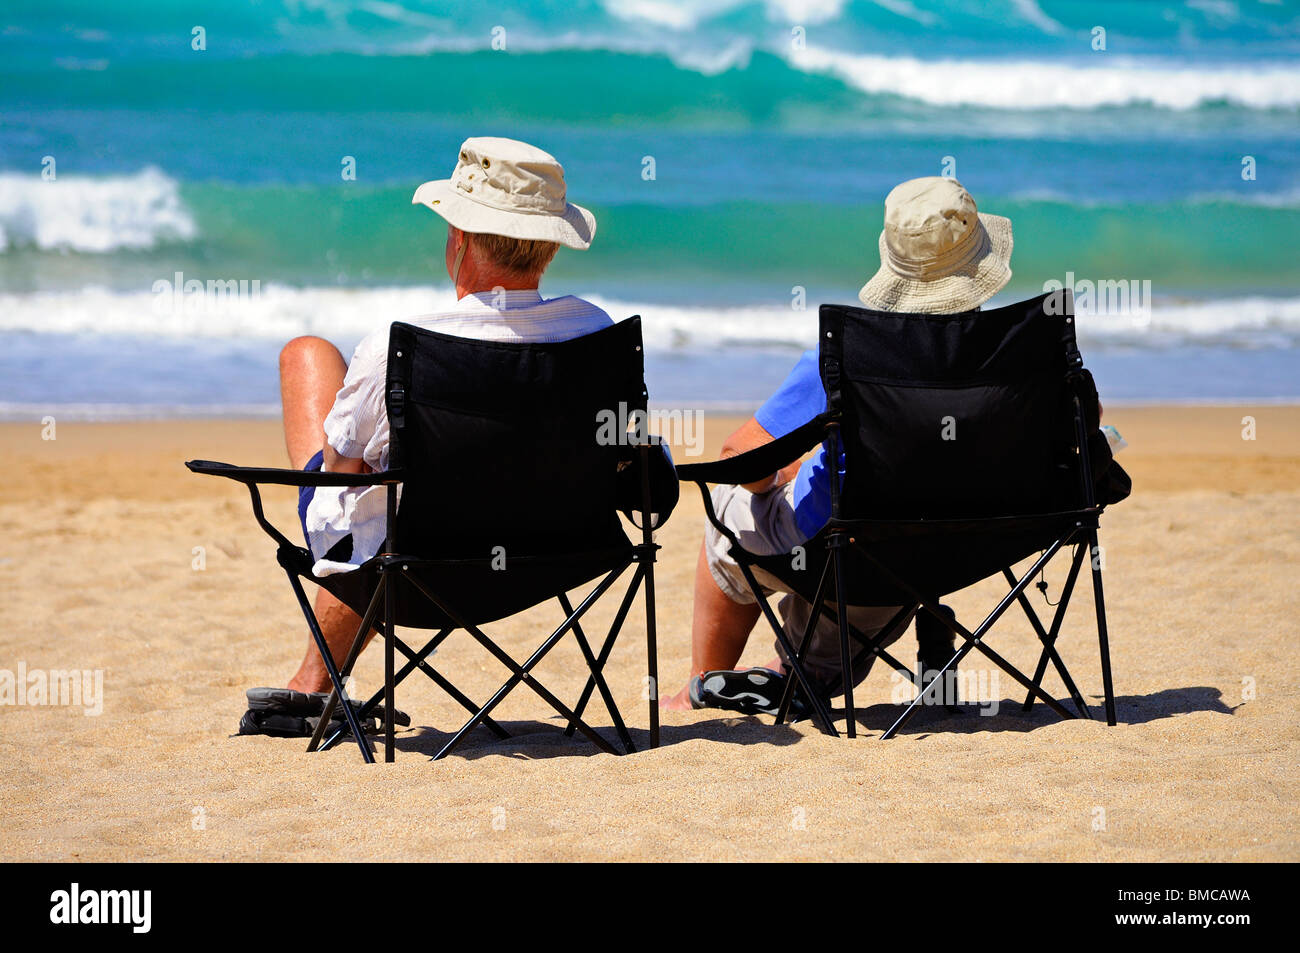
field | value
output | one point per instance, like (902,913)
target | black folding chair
(510,492)
(970,442)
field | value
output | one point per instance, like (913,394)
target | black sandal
(750,691)
(285,713)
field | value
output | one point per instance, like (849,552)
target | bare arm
(749,436)
(334,463)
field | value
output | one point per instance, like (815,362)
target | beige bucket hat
(938,253)
(507,187)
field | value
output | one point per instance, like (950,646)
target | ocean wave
(1248,196)
(1020,84)
(1284,198)
(278,312)
(1247,321)
(1003,84)
(689,14)
(706,60)
(93,215)
(1030,84)
(685,80)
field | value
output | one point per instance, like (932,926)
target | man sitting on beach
(938,255)
(507,215)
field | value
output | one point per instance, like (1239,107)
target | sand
(97,566)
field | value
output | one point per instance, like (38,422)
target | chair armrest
(761,462)
(286,477)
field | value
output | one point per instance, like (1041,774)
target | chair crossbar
(605,650)
(597,675)
(1049,637)
(973,640)
(522,672)
(416,660)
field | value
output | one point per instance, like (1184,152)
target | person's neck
(488,284)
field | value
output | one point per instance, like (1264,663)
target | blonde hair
(520,256)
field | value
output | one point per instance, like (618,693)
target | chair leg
(598,675)
(318,637)
(390,686)
(615,627)
(822,713)
(354,651)
(1049,637)
(652,640)
(846,663)
(1103,637)
(814,615)
(645,556)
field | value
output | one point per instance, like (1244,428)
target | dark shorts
(305,492)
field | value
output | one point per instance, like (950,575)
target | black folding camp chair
(510,492)
(970,442)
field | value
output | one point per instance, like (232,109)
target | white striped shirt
(357,425)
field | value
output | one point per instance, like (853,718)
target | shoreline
(107,413)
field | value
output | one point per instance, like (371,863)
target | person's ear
(454,239)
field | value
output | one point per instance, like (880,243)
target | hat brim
(575,228)
(962,290)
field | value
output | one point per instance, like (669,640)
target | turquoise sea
(736,154)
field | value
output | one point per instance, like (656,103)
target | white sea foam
(1027,84)
(1283,198)
(83,214)
(688,14)
(1031,12)
(345,315)
(1105,79)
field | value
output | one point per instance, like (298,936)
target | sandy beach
(103,529)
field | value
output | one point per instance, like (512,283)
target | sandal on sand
(284,713)
(750,691)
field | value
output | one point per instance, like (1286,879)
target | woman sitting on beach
(939,255)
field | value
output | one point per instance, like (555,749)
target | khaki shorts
(765,524)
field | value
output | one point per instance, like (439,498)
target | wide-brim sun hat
(507,187)
(938,253)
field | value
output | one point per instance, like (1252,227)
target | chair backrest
(955,416)
(503,443)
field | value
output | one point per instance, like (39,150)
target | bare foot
(679,702)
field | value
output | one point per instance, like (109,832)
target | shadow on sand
(543,739)
(1008,715)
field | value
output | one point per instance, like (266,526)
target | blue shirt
(798,400)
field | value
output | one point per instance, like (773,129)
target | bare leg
(720,628)
(311,373)
(338,624)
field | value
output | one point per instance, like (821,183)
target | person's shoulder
(374,346)
(573,305)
